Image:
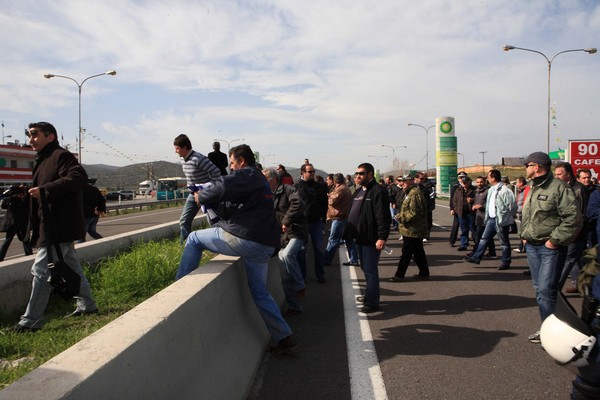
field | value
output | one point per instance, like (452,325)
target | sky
(329,81)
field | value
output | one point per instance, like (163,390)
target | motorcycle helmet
(566,337)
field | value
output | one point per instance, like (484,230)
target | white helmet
(566,337)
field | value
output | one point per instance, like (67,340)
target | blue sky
(329,81)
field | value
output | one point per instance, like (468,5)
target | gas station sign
(585,154)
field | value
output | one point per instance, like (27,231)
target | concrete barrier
(15,275)
(199,338)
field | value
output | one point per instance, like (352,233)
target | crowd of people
(263,213)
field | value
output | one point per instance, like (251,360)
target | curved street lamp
(79,85)
(591,50)
(228,143)
(426,145)
(377,158)
(393,151)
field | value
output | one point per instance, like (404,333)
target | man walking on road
(338,206)
(551,220)
(412,221)
(500,208)
(369,225)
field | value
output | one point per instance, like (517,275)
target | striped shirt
(199,169)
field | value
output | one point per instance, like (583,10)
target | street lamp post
(377,158)
(393,151)
(79,85)
(463,159)
(483,161)
(426,145)
(549,60)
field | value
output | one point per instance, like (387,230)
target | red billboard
(585,154)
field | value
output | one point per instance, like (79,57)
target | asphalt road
(461,335)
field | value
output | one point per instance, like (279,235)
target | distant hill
(130,176)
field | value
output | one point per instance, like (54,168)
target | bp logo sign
(446,127)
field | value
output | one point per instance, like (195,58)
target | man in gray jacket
(551,221)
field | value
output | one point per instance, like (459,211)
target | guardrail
(116,208)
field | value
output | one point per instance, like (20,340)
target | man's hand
(284,228)
(380,244)
(550,246)
(451,212)
(197,199)
(34,192)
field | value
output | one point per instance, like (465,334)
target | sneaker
(401,237)
(471,260)
(396,279)
(360,299)
(287,345)
(503,267)
(517,250)
(534,337)
(79,313)
(462,249)
(425,240)
(349,263)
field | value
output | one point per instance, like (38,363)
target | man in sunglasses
(551,221)
(314,196)
(369,225)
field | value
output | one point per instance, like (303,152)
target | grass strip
(118,283)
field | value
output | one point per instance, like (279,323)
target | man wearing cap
(463,200)
(551,221)
(412,221)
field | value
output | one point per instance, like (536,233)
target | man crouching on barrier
(573,341)
(247,228)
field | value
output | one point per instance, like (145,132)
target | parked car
(122,194)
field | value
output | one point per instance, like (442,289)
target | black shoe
(79,313)
(471,260)
(421,277)
(396,279)
(462,249)
(488,255)
(369,309)
(18,328)
(503,267)
(287,345)
(351,264)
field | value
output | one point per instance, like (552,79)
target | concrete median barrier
(199,338)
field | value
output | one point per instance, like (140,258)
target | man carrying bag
(58,179)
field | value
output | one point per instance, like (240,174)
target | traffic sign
(585,154)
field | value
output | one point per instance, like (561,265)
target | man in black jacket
(369,225)
(314,195)
(60,178)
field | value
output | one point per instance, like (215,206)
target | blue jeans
(256,259)
(545,274)
(41,289)
(393,212)
(488,235)
(467,224)
(291,277)
(369,257)
(190,209)
(316,239)
(335,238)
(352,250)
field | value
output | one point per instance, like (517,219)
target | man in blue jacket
(248,229)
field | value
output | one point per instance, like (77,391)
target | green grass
(118,283)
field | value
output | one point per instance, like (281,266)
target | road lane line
(366,381)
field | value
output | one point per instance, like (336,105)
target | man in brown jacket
(338,206)
(60,179)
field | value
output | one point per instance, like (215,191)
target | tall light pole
(483,161)
(426,145)
(549,60)
(79,85)
(463,157)
(377,158)
(393,151)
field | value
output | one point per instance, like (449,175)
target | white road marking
(366,381)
